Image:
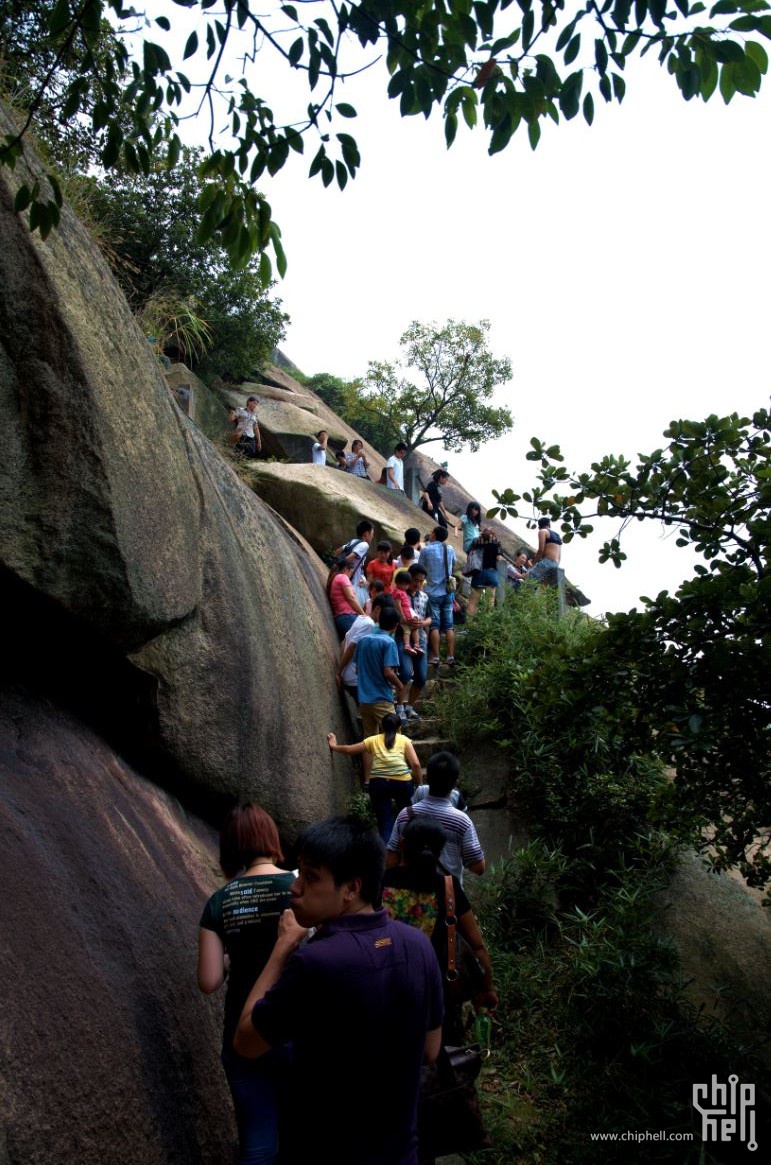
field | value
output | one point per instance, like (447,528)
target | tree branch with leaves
(515,67)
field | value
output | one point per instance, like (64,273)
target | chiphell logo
(727,1111)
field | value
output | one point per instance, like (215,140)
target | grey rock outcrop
(119,521)
(149,599)
(109,1053)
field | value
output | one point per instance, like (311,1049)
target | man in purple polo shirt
(361,1002)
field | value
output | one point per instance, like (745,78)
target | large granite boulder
(325,504)
(139,579)
(110,1053)
(290,414)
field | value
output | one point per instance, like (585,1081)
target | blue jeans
(343,623)
(440,610)
(383,793)
(255,1086)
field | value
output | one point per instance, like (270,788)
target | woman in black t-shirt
(238,931)
(431,500)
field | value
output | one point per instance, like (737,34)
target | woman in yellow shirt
(391,769)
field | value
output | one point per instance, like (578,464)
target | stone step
(420,729)
(428,746)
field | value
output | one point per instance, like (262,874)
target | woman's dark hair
(440,473)
(384,544)
(412,536)
(522,551)
(390,725)
(474,506)
(248,833)
(381,601)
(348,849)
(544,523)
(338,566)
(422,843)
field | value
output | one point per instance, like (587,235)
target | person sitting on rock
(246,435)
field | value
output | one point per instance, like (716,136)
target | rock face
(325,504)
(125,538)
(149,599)
(290,415)
(110,1052)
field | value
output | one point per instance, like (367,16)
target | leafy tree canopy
(694,665)
(510,66)
(458,375)
(148,222)
(356,409)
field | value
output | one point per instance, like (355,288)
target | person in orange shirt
(382,567)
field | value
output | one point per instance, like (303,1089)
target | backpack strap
(450,921)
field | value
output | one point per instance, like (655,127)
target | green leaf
(345,110)
(450,128)
(163,22)
(727,87)
(534,133)
(265,269)
(22,199)
(758,54)
(601,56)
(296,51)
(571,52)
(588,109)
(59,18)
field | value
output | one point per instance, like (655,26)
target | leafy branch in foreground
(515,66)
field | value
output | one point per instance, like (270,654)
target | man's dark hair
(412,536)
(364,527)
(440,533)
(380,601)
(348,849)
(254,398)
(389,618)
(417,569)
(442,772)
(399,447)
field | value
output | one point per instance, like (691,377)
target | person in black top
(431,500)
(239,926)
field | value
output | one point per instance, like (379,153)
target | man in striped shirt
(462,851)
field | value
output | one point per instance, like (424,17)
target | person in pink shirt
(342,596)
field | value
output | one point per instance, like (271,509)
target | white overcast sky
(624,269)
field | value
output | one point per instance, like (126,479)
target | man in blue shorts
(361,1002)
(438,560)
